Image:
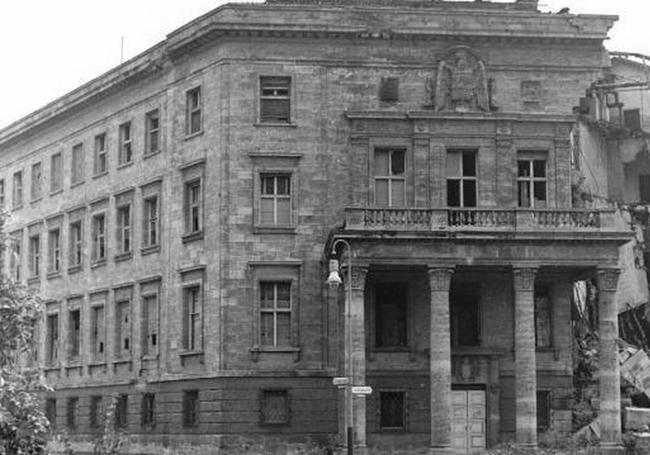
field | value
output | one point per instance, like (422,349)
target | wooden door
(468,420)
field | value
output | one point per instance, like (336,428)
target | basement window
(275,407)
(392,410)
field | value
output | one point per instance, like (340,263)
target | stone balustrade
(490,219)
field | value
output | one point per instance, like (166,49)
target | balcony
(556,222)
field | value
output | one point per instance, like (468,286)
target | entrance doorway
(468,422)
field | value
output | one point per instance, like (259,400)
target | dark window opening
(465,315)
(50,411)
(461,179)
(148,407)
(392,410)
(72,412)
(95,410)
(543,410)
(190,408)
(275,407)
(644,188)
(543,338)
(389,89)
(390,315)
(121,410)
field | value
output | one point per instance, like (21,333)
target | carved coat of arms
(461,84)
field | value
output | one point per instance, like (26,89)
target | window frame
(97,330)
(56,173)
(52,338)
(123,299)
(263,99)
(125,144)
(151,224)
(192,109)
(152,131)
(265,396)
(191,416)
(124,229)
(148,410)
(76,244)
(72,405)
(74,336)
(275,197)
(190,206)
(54,257)
(51,411)
(36,184)
(549,408)
(121,418)
(17,195)
(77,165)
(192,339)
(95,405)
(96,236)
(387,429)
(461,178)
(100,155)
(16,258)
(34,255)
(531,180)
(546,290)
(390,178)
(275,310)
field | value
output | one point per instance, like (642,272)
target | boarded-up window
(275,99)
(543,317)
(275,407)
(390,315)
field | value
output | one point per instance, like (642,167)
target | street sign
(341,381)
(361,390)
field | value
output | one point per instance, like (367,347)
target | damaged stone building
(182,213)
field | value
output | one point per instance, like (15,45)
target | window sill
(192,236)
(276,124)
(55,192)
(76,363)
(124,165)
(76,184)
(264,229)
(149,249)
(121,361)
(123,256)
(98,263)
(193,135)
(97,363)
(33,280)
(54,274)
(190,353)
(101,174)
(74,269)
(393,350)
(279,349)
(150,155)
(36,200)
(150,357)
(52,367)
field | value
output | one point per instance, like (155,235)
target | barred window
(392,410)
(275,407)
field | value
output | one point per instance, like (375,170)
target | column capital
(607,278)
(524,278)
(440,277)
(358,275)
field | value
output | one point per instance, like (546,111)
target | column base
(610,448)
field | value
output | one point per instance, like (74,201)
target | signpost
(361,390)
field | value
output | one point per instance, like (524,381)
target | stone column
(355,348)
(610,399)
(440,361)
(525,364)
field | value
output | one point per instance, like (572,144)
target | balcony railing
(484,219)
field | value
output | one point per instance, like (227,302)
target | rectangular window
(50,411)
(543,310)
(275,407)
(52,339)
(151,222)
(543,410)
(465,315)
(74,334)
(148,409)
(121,411)
(461,178)
(192,324)
(152,125)
(149,324)
(97,332)
(95,411)
(392,407)
(100,165)
(124,229)
(644,188)
(193,207)
(190,408)
(122,329)
(531,181)
(125,151)
(275,99)
(34,256)
(275,317)
(390,177)
(54,251)
(77,165)
(275,200)
(2,194)
(72,405)
(16,260)
(99,237)
(56,173)
(17,196)
(193,106)
(390,315)
(37,178)
(76,243)
(389,89)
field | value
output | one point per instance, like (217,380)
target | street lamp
(334,281)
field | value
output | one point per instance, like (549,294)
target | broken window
(461,178)
(390,177)
(390,315)
(465,315)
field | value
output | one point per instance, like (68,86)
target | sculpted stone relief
(460,83)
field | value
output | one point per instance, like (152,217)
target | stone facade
(412,130)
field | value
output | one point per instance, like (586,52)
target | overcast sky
(49,47)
